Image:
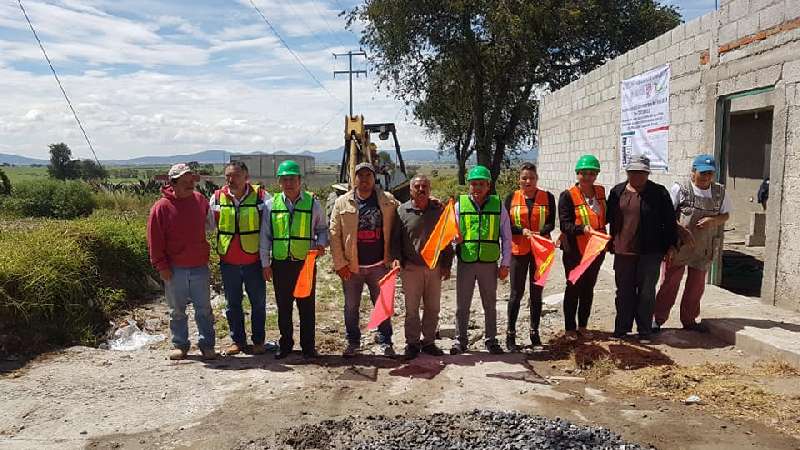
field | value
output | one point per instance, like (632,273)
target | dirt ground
(92,398)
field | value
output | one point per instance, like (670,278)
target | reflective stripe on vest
(243,220)
(480,230)
(584,215)
(522,218)
(291,231)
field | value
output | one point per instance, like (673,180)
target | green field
(24,173)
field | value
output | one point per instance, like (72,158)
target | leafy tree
(62,167)
(471,69)
(5,184)
(91,170)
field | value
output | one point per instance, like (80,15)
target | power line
(58,80)
(297,58)
(331,29)
(300,17)
(322,127)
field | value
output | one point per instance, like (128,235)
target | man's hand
(587,229)
(502,273)
(670,254)
(320,250)
(685,236)
(707,222)
(344,273)
(444,273)
(459,239)
(267,273)
(165,274)
(396,264)
(527,233)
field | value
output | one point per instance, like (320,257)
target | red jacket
(176,231)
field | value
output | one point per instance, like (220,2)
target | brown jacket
(344,228)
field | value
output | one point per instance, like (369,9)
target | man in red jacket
(176,238)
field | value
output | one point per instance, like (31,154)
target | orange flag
(384,305)
(445,231)
(596,245)
(305,281)
(544,252)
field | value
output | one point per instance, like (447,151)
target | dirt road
(85,397)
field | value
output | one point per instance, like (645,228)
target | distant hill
(20,160)
(332,156)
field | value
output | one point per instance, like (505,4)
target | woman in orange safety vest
(532,211)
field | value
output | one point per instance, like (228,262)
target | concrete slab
(753,326)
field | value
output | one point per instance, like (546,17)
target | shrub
(60,283)
(5,184)
(125,202)
(51,198)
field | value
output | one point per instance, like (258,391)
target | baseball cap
(179,169)
(704,163)
(365,165)
(639,163)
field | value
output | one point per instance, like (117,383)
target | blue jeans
(352,303)
(190,285)
(233,277)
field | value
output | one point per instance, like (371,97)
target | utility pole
(350,71)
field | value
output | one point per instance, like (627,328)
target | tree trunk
(463,153)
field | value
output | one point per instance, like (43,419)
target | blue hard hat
(704,163)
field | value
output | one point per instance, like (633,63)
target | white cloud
(33,115)
(178,80)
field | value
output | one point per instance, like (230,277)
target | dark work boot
(536,341)
(511,342)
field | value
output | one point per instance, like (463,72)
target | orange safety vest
(584,215)
(522,217)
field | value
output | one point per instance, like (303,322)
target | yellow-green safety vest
(480,230)
(291,231)
(244,220)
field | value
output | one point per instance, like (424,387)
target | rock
(692,400)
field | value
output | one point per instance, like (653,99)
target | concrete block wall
(745,45)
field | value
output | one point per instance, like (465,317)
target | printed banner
(644,126)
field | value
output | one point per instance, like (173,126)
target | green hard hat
(288,167)
(479,173)
(587,162)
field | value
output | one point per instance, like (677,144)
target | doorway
(744,168)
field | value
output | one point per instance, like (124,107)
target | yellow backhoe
(390,174)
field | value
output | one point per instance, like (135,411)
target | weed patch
(61,282)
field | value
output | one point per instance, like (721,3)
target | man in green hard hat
(293,224)
(485,239)
(237,208)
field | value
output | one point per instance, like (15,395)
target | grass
(725,389)
(222,328)
(25,173)
(62,281)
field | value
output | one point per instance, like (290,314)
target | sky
(157,77)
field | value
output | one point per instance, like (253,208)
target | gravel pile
(478,429)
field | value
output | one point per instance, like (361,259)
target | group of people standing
(261,237)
